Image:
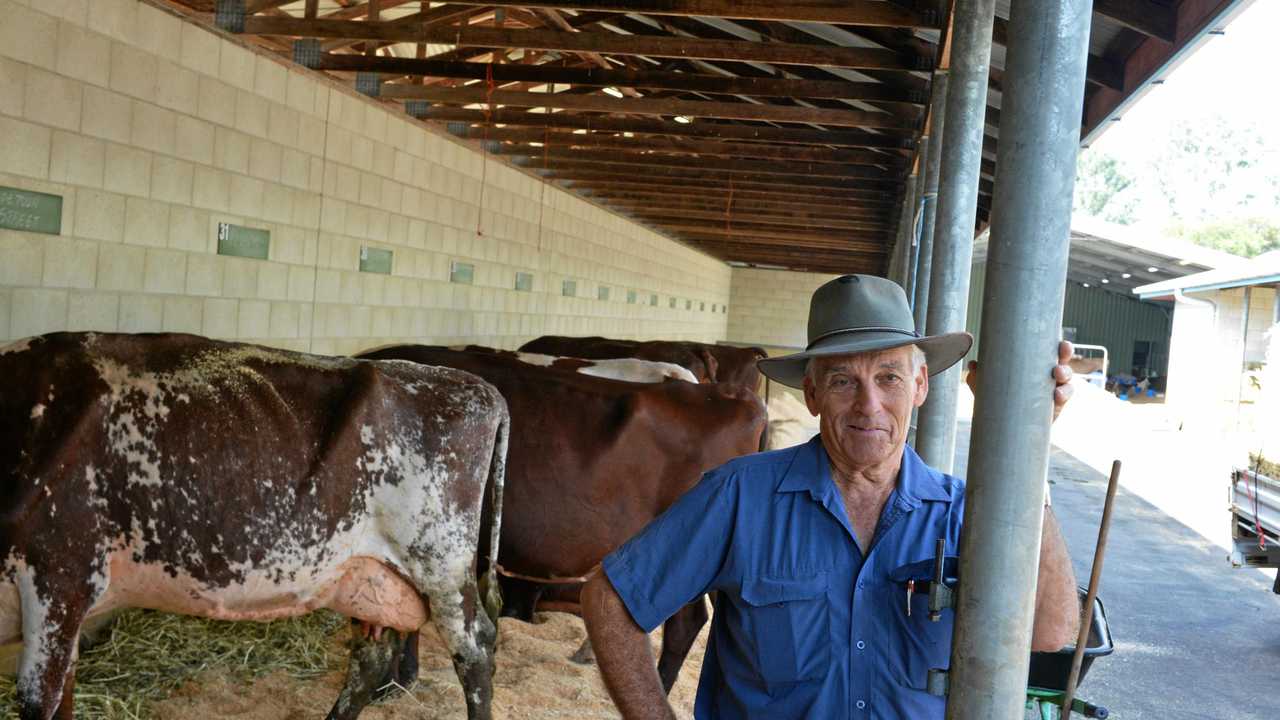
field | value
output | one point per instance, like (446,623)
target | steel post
(957,211)
(933,164)
(902,248)
(1021,321)
(913,258)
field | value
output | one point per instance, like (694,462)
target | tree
(1105,188)
(1248,237)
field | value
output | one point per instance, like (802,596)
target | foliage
(1104,188)
(1212,179)
(150,654)
(1247,237)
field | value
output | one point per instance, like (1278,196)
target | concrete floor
(1194,637)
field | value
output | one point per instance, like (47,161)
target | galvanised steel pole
(905,235)
(971,26)
(913,258)
(1021,322)
(933,163)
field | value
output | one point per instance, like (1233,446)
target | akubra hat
(863,313)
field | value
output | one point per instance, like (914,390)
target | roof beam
(644,106)
(705,130)
(608,43)
(570,170)
(794,214)
(656,144)
(700,164)
(1146,16)
(745,219)
(596,77)
(851,199)
(849,12)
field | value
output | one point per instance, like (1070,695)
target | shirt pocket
(790,621)
(918,642)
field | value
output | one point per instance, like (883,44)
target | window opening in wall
(631,297)
(653,301)
(524,281)
(375,260)
(713,307)
(724,309)
(463,273)
(688,304)
(602,293)
(702,307)
(569,288)
(671,303)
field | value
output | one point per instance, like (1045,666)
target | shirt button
(861,705)
(861,645)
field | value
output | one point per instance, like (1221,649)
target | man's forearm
(1057,620)
(623,653)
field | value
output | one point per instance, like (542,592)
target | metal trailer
(1255,521)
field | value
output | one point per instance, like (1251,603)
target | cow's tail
(491,592)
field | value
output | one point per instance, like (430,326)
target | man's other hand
(1061,377)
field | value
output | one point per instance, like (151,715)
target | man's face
(864,404)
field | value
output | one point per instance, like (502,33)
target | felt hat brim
(940,351)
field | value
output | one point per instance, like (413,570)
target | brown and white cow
(708,362)
(591,462)
(238,482)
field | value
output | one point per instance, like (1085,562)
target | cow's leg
(66,708)
(519,597)
(471,637)
(372,654)
(403,672)
(678,634)
(51,616)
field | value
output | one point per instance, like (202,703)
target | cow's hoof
(585,655)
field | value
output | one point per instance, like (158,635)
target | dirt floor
(535,681)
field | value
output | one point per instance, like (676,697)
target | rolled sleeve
(677,557)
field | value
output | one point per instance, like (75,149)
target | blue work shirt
(805,625)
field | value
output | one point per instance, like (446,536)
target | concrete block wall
(154,130)
(771,307)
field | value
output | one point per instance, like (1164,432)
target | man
(821,553)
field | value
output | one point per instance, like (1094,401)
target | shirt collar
(810,471)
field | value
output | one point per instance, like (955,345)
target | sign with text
(375,260)
(30,211)
(240,241)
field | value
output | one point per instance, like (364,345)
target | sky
(1227,75)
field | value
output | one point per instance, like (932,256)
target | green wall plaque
(30,211)
(524,281)
(375,260)
(464,273)
(569,288)
(242,241)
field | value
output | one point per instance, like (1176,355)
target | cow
(237,482)
(626,369)
(709,363)
(591,462)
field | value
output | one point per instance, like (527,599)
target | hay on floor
(146,655)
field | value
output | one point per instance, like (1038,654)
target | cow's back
(215,459)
